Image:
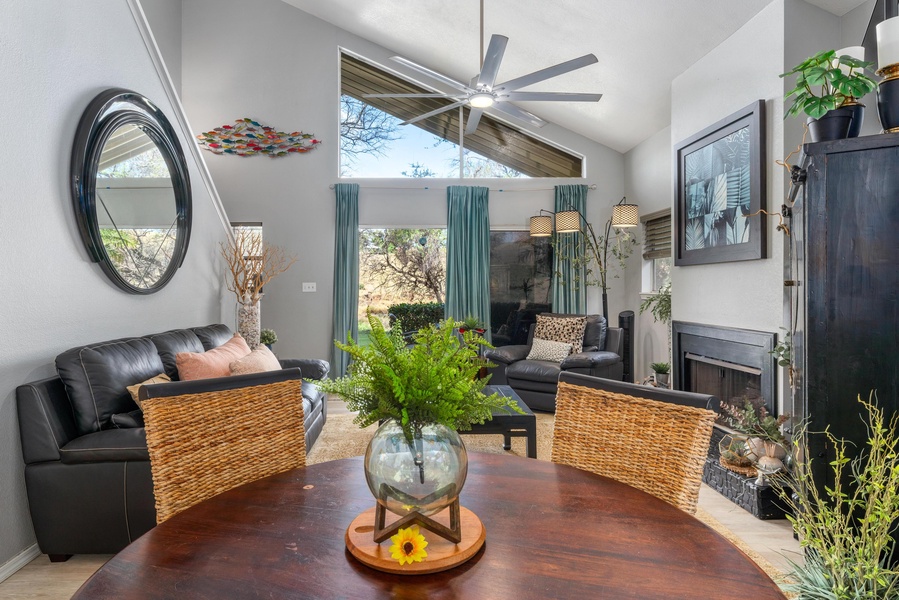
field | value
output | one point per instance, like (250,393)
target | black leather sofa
(536,381)
(88,479)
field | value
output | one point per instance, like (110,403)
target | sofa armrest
(589,360)
(312,368)
(506,355)
(217,384)
(46,421)
(109,445)
(615,340)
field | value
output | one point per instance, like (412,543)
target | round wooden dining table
(553,531)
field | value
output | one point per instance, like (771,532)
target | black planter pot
(834,125)
(858,117)
(888,104)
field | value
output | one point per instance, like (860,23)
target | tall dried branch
(252,264)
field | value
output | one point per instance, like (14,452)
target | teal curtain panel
(468,254)
(569,289)
(346,272)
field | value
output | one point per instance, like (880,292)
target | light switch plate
(308,286)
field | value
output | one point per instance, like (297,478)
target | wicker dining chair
(657,445)
(202,443)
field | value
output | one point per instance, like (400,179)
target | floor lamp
(624,215)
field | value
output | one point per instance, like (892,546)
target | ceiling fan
(484,93)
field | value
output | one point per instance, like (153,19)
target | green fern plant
(433,380)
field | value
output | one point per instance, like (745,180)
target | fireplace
(725,361)
(730,364)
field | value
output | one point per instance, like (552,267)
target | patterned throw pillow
(568,330)
(549,350)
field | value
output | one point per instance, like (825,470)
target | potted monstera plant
(827,90)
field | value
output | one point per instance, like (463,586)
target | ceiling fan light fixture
(481,100)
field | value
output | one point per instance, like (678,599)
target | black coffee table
(509,423)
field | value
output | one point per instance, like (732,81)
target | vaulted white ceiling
(642,45)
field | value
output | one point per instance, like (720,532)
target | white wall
(55,57)
(292,82)
(648,183)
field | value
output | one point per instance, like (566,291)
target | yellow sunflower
(408,545)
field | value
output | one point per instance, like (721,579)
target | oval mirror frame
(109,111)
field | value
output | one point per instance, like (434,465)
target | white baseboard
(18,561)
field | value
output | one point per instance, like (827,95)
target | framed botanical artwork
(720,189)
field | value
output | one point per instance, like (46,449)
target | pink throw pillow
(212,363)
(258,361)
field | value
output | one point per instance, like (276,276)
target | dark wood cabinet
(843,255)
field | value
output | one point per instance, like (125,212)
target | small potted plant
(662,370)
(472,323)
(767,446)
(268,337)
(827,88)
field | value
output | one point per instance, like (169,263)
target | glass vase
(248,323)
(424,476)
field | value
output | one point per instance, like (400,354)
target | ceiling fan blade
(435,112)
(523,115)
(436,95)
(432,74)
(474,117)
(548,72)
(550,96)
(492,59)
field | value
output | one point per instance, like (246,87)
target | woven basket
(655,446)
(745,471)
(206,443)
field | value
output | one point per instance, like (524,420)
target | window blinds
(657,237)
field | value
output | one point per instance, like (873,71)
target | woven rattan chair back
(654,446)
(206,443)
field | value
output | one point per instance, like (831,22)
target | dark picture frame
(719,181)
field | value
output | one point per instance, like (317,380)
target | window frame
(495,139)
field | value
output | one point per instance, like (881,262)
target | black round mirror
(131,191)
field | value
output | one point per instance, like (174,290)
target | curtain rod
(592,186)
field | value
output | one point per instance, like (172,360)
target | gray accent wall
(648,183)
(55,58)
(853,26)
(164,17)
(742,69)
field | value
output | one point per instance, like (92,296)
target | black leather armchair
(536,380)
(87,475)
